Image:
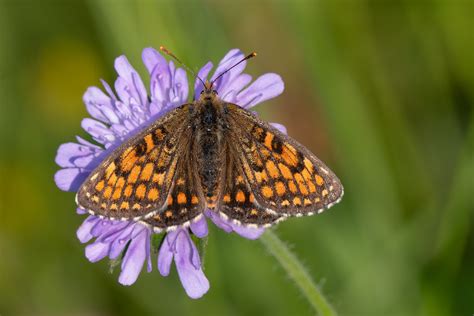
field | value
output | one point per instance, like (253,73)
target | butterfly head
(209,93)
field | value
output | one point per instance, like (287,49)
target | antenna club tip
(253,54)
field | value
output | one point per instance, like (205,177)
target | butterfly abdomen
(208,151)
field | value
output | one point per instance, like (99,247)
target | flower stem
(297,273)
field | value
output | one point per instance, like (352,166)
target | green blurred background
(382,91)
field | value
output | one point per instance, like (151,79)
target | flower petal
(230,59)
(224,84)
(168,84)
(248,232)
(84,231)
(160,82)
(81,211)
(120,241)
(165,256)
(133,85)
(100,105)
(219,221)
(152,58)
(279,127)
(70,179)
(68,153)
(202,73)
(99,131)
(180,87)
(234,87)
(109,90)
(228,226)
(192,278)
(199,227)
(134,258)
(102,227)
(109,230)
(265,87)
(97,251)
(84,142)
(148,261)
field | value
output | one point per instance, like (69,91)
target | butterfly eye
(214,92)
(202,91)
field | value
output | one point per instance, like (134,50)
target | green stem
(297,273)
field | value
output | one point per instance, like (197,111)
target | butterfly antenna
(167,52)
(253,54)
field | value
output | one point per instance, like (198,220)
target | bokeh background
(382,91)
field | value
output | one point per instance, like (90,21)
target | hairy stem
(297,272)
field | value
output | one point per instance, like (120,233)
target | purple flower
(115,117)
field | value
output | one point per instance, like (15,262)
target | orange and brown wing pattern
(136,178)
(185,202)
(237,201)
(283,175)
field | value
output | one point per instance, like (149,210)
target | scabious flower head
(118,115)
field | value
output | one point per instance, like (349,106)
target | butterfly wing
(237,200)
(284,176)
(134,181)
(185,201)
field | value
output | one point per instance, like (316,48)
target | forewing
(185,201)
(135,179)
(283,175)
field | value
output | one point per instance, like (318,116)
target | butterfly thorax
(208,144)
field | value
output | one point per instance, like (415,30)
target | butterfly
(209,155)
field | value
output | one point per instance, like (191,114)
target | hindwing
(185,201)
(237,200)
